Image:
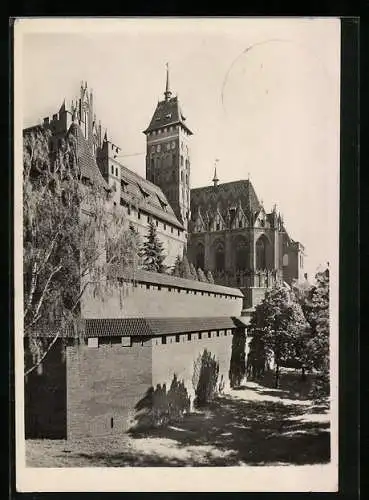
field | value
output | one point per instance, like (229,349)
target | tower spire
(167,92)
(215,178)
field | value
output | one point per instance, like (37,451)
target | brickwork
(104,384)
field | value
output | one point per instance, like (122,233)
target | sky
(260,95)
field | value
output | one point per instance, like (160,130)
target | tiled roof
(168,112)
(223,197)
(145,195)
(85,158)
(151,327)
(143,276)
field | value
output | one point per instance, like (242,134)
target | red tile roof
(146,196)
(149,327)
(168,112)
(143,276)
(224,196)
(85,158)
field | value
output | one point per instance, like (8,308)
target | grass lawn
(255,425)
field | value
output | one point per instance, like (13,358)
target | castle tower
(167,153)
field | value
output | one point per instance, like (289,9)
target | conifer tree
(153,252)
(193,272)
(185,269)
(209,277)
(201,275)
(176,270)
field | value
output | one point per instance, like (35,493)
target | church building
(222,227)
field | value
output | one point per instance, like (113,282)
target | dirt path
(251,426)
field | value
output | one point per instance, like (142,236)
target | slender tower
(168,163)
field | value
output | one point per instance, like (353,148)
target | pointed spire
(106,135)
(215,178)
(168,92)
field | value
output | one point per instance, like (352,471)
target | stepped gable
(86,159)
(146,196)
(224,197)
(168,112)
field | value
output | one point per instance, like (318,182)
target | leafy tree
(278,326)
(193,272)
(315,304)
(201,275)
(209,277)
(72,236)
(152,251)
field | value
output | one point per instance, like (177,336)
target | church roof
(85,158)
(224,197)
(147,196)
(168,112)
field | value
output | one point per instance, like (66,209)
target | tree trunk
(277,375)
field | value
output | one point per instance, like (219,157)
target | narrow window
(112,169)
(177,338)
(111,422)
(171,230)
(165,226)
(200,336)
(188,336)
(159,287)
(139,214)
(147,287)
(209,335)
(116,172)
(169,289)
(157,223)
(163,340)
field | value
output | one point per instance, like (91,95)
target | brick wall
(105,383)
(127,301)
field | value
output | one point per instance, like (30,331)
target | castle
(154,337)
(222,227)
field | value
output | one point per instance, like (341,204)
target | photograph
(176,241)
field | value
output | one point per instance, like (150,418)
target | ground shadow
(243,432)
(291,386)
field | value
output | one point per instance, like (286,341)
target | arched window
(200,258)
(219,257)
(261,252)
(242,255)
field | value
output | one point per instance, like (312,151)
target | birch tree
(72,236)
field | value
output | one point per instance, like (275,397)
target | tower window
(158,148)
(116,172)
(165,226)
(181,160)
(139,214)
(171,230)
(218,226)
(112,170)
(240,223)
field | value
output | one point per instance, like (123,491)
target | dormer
(199,224)
(218,223)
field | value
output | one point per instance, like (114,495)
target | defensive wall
(117,365)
